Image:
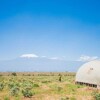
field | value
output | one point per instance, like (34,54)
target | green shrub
(14,74)
(11,85)
(27,85)
(6,98)
(35,85)
(27,93)
(0,74)
(1,86)
(28,74)
(14,91)
(96,95)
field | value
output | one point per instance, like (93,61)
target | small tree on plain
(14,74)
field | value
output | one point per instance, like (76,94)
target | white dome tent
(89,74)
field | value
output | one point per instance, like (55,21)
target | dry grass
(46,86)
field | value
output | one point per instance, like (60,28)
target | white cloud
(55,58)
(85,58)
(29,56)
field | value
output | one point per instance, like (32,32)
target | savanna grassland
(44,86)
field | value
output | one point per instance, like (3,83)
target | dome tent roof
(89,73)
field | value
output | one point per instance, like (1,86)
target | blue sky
(52,28)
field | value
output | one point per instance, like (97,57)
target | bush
(11,85)
(27,93)
(14,91)
(14,74)
(35,85)
(1,86)
(27,85)
(6,98)
(96,95)
(0,74)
